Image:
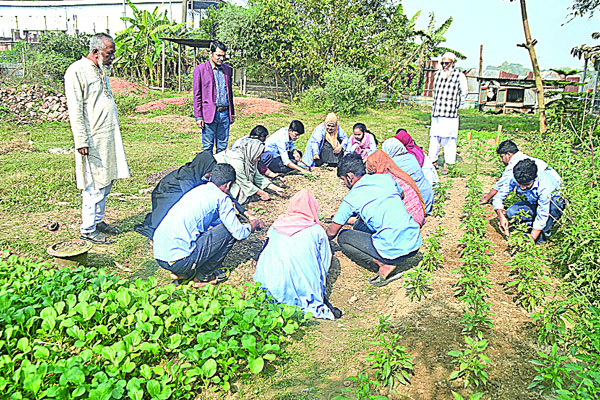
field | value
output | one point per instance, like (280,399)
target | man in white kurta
(449,94)
(100,156)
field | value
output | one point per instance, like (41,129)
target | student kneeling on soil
(385,235)
(544,205)
(510,155)
(293,265)
(280,154)
(199,230)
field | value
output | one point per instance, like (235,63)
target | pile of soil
(33,103)
(244,105)
(123,86)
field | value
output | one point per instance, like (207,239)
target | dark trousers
(327,156)
(211,248)
(557,205)
(270,161)
(357,245)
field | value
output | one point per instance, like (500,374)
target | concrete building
(23,20)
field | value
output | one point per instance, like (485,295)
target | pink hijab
(363,145)
(302,213)
(410,145)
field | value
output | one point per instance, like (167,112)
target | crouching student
(385,235)
(362,141)
(327,143)
(199,230)
(281,155)
(544,205)
(293,265)
(510,155)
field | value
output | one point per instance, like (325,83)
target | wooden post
(163,67)
(498,133)
(184,5)
(469,135)
(480,60)
(179,69)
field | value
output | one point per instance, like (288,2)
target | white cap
(449,55)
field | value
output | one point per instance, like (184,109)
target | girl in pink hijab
(294,263)
(411,146)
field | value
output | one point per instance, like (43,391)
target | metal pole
(184,13)
(595,89)
(163,66)
(179,88)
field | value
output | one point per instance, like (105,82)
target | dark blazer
(205,94)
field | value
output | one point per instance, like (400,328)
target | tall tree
(539,84)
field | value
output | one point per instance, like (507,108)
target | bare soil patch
(123,86)
(244,105)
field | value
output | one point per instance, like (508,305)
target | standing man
(449,93)
(213,99)
(100,156)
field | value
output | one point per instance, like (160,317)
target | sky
(497,25)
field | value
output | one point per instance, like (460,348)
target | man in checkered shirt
(449,93)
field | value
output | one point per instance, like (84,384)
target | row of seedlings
(471,287)
(418,280)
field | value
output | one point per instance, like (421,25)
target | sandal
(379,281)
(96,237)
(106,228)
(221,275)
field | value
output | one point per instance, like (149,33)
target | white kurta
(95,124)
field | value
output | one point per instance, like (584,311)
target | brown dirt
(244,105)
(123,86)
(16,144)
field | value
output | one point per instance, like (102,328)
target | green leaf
(75,375)
(256,365)
(153,387)
(209,368)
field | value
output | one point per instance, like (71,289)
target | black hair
(297,126)
(259,132)
(351,163)
(508,146)
(217,44)
(299,152)
(363,128)
(222,174)
(525,171)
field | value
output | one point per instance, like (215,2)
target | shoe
(109,229)
(379,281)
(96,237)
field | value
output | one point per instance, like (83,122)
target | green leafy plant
(85,333)
(418,283)
(440,194)
(474,396)
(391,362)
(471,362)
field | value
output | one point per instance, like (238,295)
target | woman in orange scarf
(380,163)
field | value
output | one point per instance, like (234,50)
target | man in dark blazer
(213,99)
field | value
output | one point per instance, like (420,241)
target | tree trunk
(529,45)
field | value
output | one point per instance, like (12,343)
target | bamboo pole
(162,73)
(179,69)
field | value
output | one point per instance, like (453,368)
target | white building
(23,19)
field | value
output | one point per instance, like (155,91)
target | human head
(393,147)
(506,150)
(331,123)
(259,132)
(297,155)
(295,130)
(525,173)
(218,51)
(350,169)
(359,129)
(223,175)
(102,49)
(448,60)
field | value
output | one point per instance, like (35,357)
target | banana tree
(139,46)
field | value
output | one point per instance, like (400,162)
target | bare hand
(316,157)
(282,178)
(83,151)
(337,149)
(483,200)
(504,225)
(200,123)
(263,195)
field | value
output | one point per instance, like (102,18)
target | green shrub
(345,91)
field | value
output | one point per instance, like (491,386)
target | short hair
(508,146)
(259,132)
(217,44)
(98,41)
(297,126)
(525,171)
(222,174)
(351,163)
(299,152)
